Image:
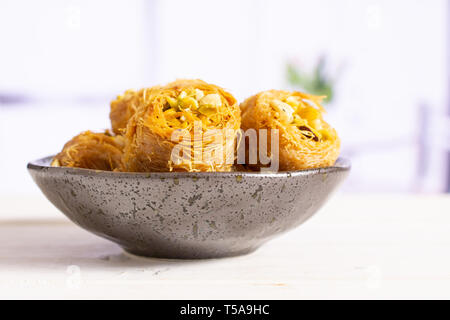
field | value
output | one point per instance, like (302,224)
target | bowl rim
(341,164)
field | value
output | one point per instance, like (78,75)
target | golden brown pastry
(305,140)
(99,151)
(124,107)
(183,107)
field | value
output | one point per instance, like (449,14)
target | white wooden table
(359,246)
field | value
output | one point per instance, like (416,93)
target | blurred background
(385,66)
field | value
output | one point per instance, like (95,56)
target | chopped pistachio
(293,102)
(182,95)
(172,102)
(309,113)
(212,99)
(188,103)
(325,134)
(299,121)
(316,124)
(199,94)
(207,110)
(310,133)
(284,108)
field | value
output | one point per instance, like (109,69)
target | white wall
(55,48)
(393,52)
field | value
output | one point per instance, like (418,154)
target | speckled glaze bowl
(187,215)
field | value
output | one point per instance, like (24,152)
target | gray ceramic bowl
(187,215)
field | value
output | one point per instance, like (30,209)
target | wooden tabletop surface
(357,246)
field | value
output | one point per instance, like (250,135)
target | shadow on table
(58,243)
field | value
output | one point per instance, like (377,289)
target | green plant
(317,82)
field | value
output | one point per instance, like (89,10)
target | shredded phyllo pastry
(99,151)
(305,139)
(191,125)
(183,107)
